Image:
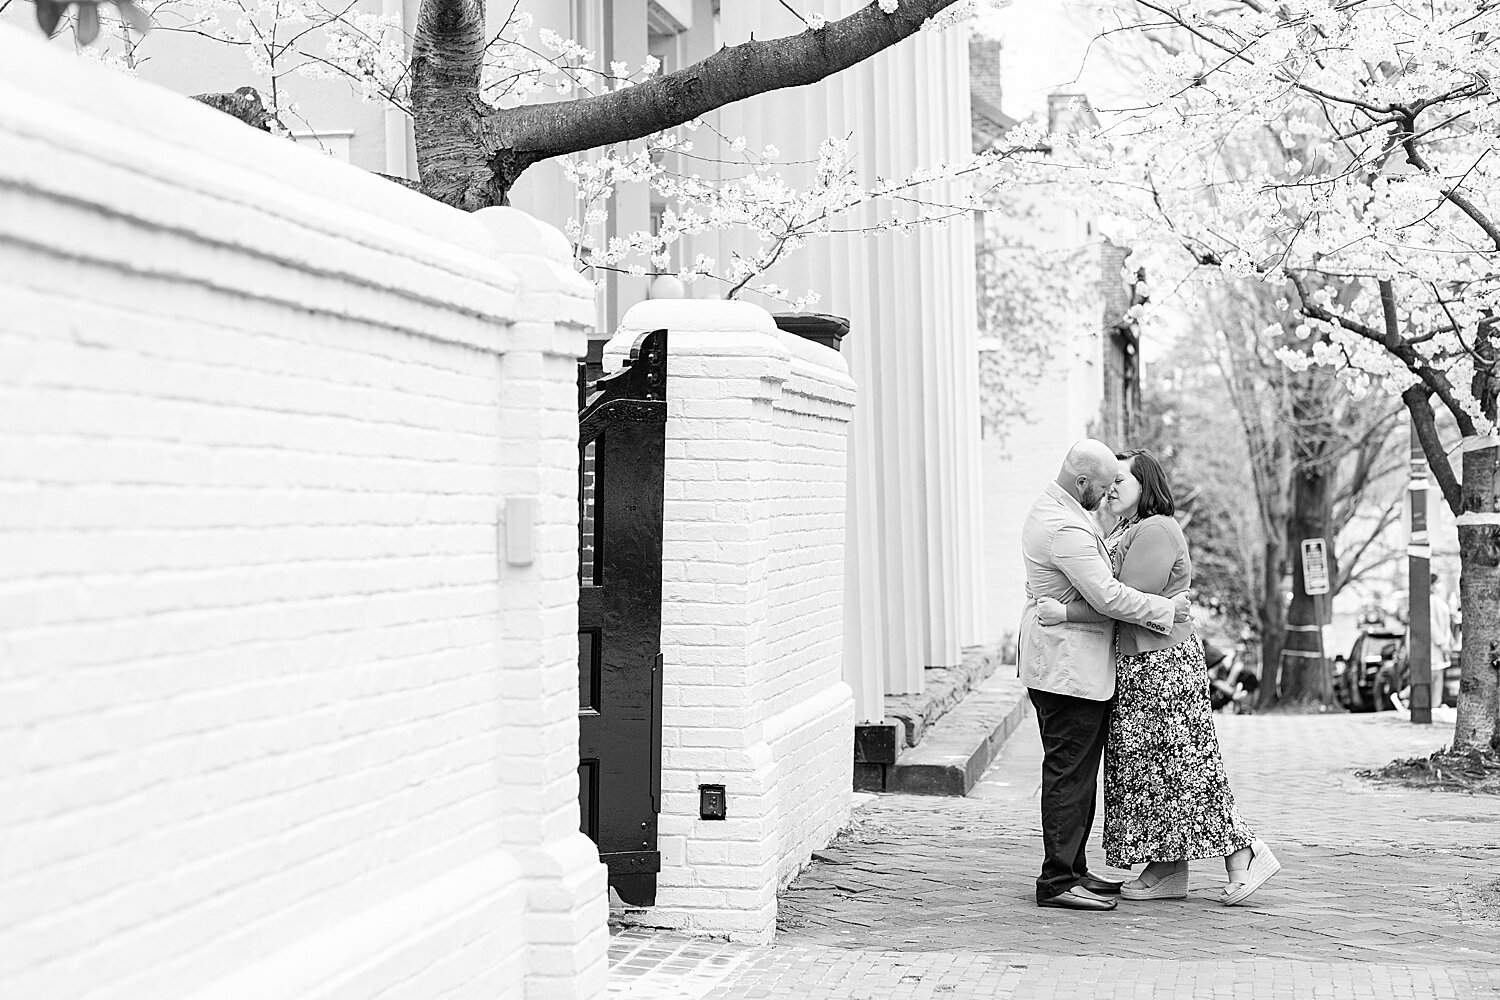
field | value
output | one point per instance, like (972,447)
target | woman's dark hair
(1156,492)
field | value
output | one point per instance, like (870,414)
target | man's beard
(1091,499)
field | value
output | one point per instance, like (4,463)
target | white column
(913,581)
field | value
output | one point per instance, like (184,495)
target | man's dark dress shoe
(1078,898)
(1101,886)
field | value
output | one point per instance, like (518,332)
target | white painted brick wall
(276,719)
(752,617)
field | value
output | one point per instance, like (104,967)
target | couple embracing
(1114,670)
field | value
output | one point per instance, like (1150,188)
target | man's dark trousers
(1073,734)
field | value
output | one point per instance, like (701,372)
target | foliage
(1343,149)
(1233,425)
(1344,152)
(1188,424)
(1297,419)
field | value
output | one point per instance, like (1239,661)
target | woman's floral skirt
(1166,796)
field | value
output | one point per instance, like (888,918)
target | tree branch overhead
(522,136)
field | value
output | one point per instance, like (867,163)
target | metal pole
(1325,676)
(1419,601)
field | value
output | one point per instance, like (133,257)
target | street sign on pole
(1314,566)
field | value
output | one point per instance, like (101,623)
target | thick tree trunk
(1479,554)
(453,153)
(1304,671)
(534,132)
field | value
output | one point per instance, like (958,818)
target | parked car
(1377,667)
(1361,680)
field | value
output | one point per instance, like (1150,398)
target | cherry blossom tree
(1346,153)
(1243,435)
(489,101)
(1323,465)
(756,196)
(1215,470)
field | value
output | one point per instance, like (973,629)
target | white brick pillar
(568,901)
(753,564)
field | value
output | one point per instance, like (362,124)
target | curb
(944,689)
(956,750)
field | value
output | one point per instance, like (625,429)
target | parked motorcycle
(1229,687)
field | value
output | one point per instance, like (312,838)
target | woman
(1166,796)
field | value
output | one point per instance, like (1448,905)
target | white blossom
(1240,160)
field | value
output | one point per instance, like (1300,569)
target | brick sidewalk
(1386,892)
(662,967)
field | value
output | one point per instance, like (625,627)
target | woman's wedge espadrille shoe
(1173,885)
(1244,881)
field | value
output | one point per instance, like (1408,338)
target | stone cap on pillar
(820,328)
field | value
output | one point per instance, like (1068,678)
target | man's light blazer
(1066,559)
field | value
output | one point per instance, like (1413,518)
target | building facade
(1084,377)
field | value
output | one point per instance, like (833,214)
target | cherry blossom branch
(1457,330)
(1393,339)
(1280,75)
(386,95)
(1436,381)
(528,134)
(1458,198)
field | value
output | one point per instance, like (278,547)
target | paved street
(1386,892)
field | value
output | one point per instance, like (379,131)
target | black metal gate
(622,421)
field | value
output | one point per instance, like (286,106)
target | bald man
(1069,669)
